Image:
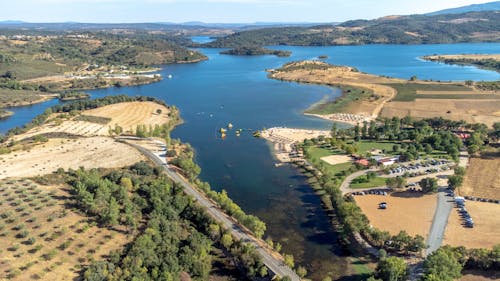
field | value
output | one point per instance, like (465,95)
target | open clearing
(42,239)
(337,159)
(63,153)
(473,111)
(486,231)
(466,56)
(482,179)
(130,114)
(412,212)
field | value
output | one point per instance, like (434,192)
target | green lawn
(375,182)
(316,153)
(365,146)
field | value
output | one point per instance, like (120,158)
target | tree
(301,271)
(226,240)
(442,265)
(289,260)
(428,148)
(397,182)
(392,269)
(334,130)
(455,181)
(429,185)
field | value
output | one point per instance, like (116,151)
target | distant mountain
(12,22)
(413,29)
(491,6)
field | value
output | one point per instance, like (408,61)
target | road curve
(274,263)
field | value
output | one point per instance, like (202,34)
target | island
(255,51)
(69,96)
(489,62)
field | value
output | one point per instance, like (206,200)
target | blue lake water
(225,89)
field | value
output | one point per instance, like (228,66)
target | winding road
(269,257)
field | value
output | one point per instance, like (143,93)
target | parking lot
(420,168)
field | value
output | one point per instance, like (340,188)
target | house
(384,160)
(363,162)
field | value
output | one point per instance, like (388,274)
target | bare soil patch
(466,56)
(63,153)
(405,211)
(486,231)
(47,240)
(337,159)
(130,114)
(482,179)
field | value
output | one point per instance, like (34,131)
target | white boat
(170,76)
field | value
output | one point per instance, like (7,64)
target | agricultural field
(130,114)
(412,212)
(486,226)
(45,158)
(97,122)
(42,238)
(481,178)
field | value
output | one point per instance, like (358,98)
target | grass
(349,95)
(408,91)
(10,97)
(365,146)
(374,182)
(316,153)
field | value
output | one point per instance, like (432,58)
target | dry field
(482,179)
(130,114)
(337,159)
(473,111)
(345,76)
(127,115)
(486,231)
(41,239)
(473,275)
(405,211)
(57,153)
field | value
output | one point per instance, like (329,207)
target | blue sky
(240,11)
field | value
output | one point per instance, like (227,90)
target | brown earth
(411,212)
(482,179)
(486,231)
(63,240)
(45,158)
(472,111)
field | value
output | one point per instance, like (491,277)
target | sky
(216,11)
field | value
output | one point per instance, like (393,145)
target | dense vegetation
(490,64)
(174,235)
(67,96)
(67,51)
(255,51)
(415,29)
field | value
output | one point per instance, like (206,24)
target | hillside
(414,29)
(491,6)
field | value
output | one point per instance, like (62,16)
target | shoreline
(346,118)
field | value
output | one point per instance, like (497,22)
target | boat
(230,126)
(256,134)
(170,76)
(222,130)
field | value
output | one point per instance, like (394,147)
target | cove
(225,89)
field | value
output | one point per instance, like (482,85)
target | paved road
(275,264)
(443,210)
(439,222)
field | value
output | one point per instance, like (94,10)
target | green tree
(442,265)
(392,269)
(455,181)
(429,185)
(301,271)
(226,240)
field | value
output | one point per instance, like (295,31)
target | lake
(224,89)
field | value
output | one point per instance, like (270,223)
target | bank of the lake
(235,89)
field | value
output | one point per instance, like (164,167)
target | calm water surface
(232,89)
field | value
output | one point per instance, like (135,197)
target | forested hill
(491,6)
(414,29)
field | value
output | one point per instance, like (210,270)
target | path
(443,210)
(275,264)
